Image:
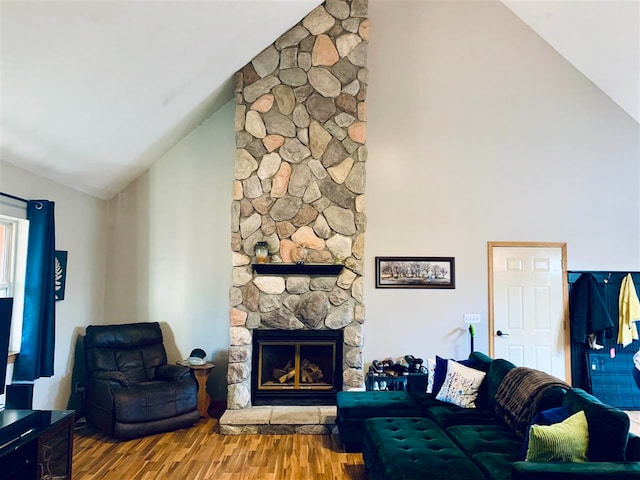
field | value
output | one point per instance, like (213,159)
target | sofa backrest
(498,369)
(135,349)
(608,426)
(480,361)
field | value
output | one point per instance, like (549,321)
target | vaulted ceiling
(93,92)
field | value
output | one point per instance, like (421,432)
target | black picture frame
(416,272)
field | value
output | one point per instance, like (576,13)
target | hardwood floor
(201,453)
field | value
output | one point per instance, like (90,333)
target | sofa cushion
(376,404)
(412,448)
(461,385)
(608,426)
(474,439)
(563,442)
(427,401)
(496,466)
(447,417)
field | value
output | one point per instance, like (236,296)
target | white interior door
(527,306)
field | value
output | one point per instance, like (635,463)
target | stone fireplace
(298,185)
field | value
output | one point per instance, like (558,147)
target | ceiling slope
(93,92)
(600,38)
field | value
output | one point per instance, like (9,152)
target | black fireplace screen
(296,367)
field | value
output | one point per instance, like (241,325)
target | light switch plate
(472,318)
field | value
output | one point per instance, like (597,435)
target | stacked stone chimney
(299,182)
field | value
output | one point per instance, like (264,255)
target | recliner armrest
(111,376)
(574,471)
(171,373)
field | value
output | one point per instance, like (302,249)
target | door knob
(500,333)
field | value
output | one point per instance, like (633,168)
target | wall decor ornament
(415,272)
(60,271)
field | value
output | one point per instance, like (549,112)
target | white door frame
(565,295)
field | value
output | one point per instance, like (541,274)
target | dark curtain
(38,326)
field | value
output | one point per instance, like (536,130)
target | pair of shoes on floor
(379,385)
(381,367)
(388,367)
(415,364)
(396,370)
(376,367)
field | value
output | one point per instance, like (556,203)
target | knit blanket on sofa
(519,395)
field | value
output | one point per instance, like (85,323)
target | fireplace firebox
(296,367)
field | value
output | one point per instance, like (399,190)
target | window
(7,258)
(14,233)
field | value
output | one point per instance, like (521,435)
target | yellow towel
(629,307)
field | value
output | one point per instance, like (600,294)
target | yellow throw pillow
(562,442)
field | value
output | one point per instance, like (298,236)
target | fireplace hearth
(297,367)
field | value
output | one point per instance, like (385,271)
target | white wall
(81,229)
(169,246)
(479,131)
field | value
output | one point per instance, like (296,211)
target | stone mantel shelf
(318,269)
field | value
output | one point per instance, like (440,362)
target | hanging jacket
(629,311)
(588,312)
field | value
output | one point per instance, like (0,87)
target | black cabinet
(36,444)
(385,382)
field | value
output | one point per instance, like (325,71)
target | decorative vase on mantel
(262,252)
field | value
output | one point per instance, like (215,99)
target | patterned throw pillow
(431,372)
(562,442)
(460,385)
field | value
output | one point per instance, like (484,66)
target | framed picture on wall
(60,271)
(415,272)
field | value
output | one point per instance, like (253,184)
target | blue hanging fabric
(38,325)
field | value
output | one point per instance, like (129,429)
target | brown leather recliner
(131,391)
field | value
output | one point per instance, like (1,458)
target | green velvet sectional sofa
(411,435)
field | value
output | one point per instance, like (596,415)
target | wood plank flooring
(201,453)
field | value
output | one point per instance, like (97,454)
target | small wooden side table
(201,373)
